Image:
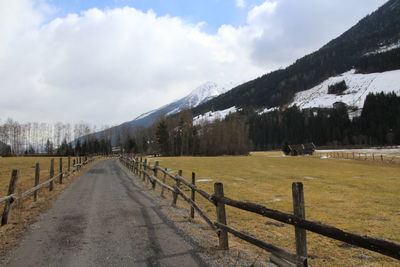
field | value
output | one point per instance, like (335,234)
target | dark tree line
(93,146)
(380,121)
(87,147)
(246,130)
(379,124)
(177,136)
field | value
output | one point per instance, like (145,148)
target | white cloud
(259,13)
(108,66)
(240,3)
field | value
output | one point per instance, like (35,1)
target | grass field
(26,167)
(357,196)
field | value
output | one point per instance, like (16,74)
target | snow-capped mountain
(198,96)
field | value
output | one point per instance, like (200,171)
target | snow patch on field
(359,86)
(204,180)
(213,115)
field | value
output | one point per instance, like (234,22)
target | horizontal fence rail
(378,245)
(360,156)
(279,256)
(12,196)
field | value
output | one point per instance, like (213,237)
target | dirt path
(104,219)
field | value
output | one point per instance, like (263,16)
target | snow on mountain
(213,115)
(141,116)
(199,95)
(266,110)
(384,48)
(359,86)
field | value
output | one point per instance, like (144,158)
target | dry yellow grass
(357,196)
(26,167)
(25,211)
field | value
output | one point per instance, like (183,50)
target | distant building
(301,149)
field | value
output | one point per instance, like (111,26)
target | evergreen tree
(162,138)
(49,147)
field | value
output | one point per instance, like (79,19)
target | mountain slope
(198,96)
(358,87)
(355,47)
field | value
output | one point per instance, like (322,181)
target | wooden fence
(12,197)
(395,159)
(279,256)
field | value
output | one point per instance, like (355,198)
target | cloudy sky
(106,62)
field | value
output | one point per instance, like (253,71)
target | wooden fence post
(73,164)
(11,189)
(140,167)
(60,172)
(37,180)
(221,216)
(51,186)
(155,168)
(175,194)
(69,163)
(144,169)
(153,185)
(164,180)
(299,211)
(193,195)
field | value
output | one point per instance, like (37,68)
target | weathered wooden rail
(12,197)
(393,159)
(279,256)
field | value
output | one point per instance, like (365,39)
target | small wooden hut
(302,149)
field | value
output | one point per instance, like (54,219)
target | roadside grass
(26,167)
(25,212)
(357,196)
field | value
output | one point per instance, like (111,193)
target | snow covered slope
(213,115)
(199,95)
(359,86)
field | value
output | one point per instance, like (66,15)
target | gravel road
(104,219)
